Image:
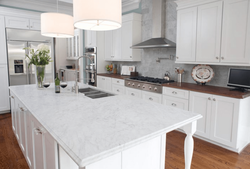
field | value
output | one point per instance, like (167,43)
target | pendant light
(57,25)
(97,15)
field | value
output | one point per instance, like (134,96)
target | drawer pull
(173,104)
(118,82)
(21,108)
(118,90)
(151,99)
(174,92)
(214,99)
(103,78)
(12,97)
(132,94)
(209,98)
(38,131)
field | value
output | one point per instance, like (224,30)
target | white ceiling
(65,6)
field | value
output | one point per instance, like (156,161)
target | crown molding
(39,5)
(19,13)
(190,3)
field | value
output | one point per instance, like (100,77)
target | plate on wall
(202,74)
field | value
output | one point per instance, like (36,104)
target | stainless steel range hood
(158,39)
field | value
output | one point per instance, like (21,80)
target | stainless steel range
(146,83)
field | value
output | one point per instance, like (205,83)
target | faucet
(76,87)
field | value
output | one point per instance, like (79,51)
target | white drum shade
(57,25)
(97,15)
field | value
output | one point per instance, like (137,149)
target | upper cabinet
(214,33)
(90,40)
(22,23)
(3,57)
(118,42)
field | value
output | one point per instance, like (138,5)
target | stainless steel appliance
(19,72)
(90,67)
(146,83)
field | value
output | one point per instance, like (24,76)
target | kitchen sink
(93,93)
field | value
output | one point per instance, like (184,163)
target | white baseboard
(4,112)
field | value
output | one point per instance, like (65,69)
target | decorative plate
(202,74)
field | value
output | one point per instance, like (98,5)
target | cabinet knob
(174,92)
(173,104)
(103,78)
(38,131)
(118,82)
(132,94)
(21,108)
(177,57)
(118,90)
(27,26)
(151,99)
(12,97)
(222,58)
(209,98)
(214,99)
(217,57)
(31,26)
(130,56)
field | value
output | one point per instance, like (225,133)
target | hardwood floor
(206,155)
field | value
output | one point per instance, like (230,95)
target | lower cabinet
(118,89)
(224,121)
(175,102)
(4,92)
(133,92)
(37,145)
(104,83)
(154,97)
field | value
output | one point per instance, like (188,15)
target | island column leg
(189,129)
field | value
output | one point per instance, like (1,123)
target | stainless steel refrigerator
(19,72)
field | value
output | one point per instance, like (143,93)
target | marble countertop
(92,129)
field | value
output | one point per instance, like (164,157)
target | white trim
(190,3)
(39,5)
(210,63)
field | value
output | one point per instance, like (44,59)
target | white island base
(146,155)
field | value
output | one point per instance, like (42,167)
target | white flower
(42,47)
(27,60)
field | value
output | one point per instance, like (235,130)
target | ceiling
(65,6)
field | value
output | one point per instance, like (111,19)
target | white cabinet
(3,53)
(118,89)
(175,102)
(45,148)
(22,23)
(133,92)
(118,42)
(179,93)
(4,96)
(112,162)
(104,83)
(74,44)
(201,103)
(154,97)
(209,32)
(113,45)
(224,121)
(90,38)
(236,32)
(186,34)
(214,33)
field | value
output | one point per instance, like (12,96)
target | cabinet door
(209,32)
(147,155)
(35,24)
(101,82)
(50,151)
(224,120)
(15,22)
(201,103)
(13,112)
(151,97)
(108,84)
(4,96)
(236,32)
(23,130)
(90,39)
(127,33)
(133,92)
(108,45)
(116,43)
(3,53)
(29,145)
(186,34)
(175,102)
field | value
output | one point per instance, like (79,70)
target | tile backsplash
(149,67)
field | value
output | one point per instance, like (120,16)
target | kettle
(167,76)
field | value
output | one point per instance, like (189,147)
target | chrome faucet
(76,87)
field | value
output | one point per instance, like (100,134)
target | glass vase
(40,74)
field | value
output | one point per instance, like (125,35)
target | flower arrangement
(41,56)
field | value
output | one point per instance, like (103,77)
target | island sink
(93,93)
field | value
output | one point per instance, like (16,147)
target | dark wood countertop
(221,91)
(112,75)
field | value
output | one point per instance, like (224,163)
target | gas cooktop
(146,83)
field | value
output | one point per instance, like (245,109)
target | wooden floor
(206,155)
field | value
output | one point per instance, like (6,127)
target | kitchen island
(112,132)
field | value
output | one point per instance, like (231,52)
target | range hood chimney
(158,39)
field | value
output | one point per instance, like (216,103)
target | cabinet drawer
(118,81)
(133,92)
(151,97)
(183,94)
(175,102)
(118,89)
